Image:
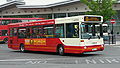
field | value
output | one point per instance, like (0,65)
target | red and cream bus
(4,26)
(61,35)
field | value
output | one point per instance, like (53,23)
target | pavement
(116,44)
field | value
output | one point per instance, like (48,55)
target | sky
(36,2)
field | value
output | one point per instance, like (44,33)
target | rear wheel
(22,48)
(61,50)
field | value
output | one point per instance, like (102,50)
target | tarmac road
(108,58)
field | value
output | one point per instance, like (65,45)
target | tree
(100,7)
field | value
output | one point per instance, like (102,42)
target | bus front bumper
(83,49)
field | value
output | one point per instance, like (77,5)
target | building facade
(17,8)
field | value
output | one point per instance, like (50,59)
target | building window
(67,9)
(38,11)
(118,14)
(115,5)
(31,11)
(59,9)
(75,14)
(19,16)
(46,16)
(85,8)
(6,12)
(45,10)
(18,12)
(59,15)
(12,12)
(25,11)
(76,8)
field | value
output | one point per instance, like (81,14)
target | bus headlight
(85,47)
(102,45)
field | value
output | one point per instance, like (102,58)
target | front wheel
(22,48)
(61,50)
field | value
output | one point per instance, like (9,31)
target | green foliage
(100,7)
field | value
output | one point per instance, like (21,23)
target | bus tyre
(61,50)
(5,40)
(22,48)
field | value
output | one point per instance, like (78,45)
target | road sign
(112,21)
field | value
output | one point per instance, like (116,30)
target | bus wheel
(22,48)
(61,50)
(5,40)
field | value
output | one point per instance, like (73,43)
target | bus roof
(21,18)
(81,18)
(35,23)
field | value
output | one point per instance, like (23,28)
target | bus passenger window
(36,32)
(72,30)
(28,32)
(14,31)
(11,32)
(22,33)
(59,31)
(48,31)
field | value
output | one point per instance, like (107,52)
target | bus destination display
(90,18)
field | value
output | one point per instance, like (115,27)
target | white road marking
(90,61)
(36,62)
(108,60)
(101,61)
(30,62)
(114,60)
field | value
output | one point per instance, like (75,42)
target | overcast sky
(36,2)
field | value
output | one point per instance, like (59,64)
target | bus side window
(37,32)
(11,32)
(22,33)
(59,31)
(14,31)
(48,31)
(28,32)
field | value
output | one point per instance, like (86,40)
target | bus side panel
(50,45)
(73,49)
(42,44)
